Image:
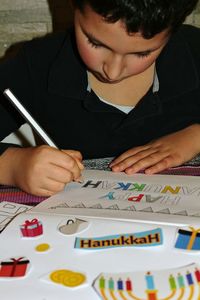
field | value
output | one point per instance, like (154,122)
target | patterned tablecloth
(13,194)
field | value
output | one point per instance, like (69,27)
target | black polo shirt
(49,78)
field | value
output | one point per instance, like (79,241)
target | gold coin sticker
(42,247)
(67,278)
(58,275)
(74,279)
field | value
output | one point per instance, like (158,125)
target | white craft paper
(158,199)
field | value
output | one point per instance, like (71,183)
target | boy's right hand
(42,170)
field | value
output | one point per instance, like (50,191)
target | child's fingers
(138,161)
(77,156)
(127,154)
(48,188)
(162,165)
(76,169)
(59,174)
(74,153)
(141,165)
(53,185)
(147,162)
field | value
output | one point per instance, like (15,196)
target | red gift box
(14,268)
(31,228)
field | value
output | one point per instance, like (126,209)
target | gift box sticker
(31,228)
(14,267)
(188,238)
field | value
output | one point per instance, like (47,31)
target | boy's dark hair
(147,16)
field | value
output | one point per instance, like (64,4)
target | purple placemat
(191,168)
(13,194)
(183,170)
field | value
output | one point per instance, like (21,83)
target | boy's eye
(143,54)
(97,45)
(93,44)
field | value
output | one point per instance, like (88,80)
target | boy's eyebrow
(92,38)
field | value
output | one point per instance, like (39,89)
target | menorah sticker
(175,284)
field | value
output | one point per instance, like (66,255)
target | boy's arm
(169,151)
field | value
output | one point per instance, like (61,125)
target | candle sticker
(150,281)
(32,228)
(181,283)
(139,239)
(72,225)
(188,238)
(14,267)
(66,278)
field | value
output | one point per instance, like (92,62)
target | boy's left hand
(169,151)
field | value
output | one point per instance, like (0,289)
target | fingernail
(148,172)
(116,169)
(130,171)
(80,179)
(112,164)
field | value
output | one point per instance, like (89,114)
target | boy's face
(109,52)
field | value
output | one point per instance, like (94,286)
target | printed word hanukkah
(144,187)
(140,239)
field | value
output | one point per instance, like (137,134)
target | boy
(124,82)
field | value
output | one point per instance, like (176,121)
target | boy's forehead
(114,35)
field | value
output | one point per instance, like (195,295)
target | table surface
(13,194)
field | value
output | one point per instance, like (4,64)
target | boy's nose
(113,68)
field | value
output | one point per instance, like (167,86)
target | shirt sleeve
(5,146)
(15,75)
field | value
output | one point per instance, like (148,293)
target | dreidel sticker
(72,226)
(188,238)
(14,267)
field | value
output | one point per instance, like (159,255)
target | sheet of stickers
(50,257)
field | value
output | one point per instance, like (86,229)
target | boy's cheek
(140,65)
(90,59)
